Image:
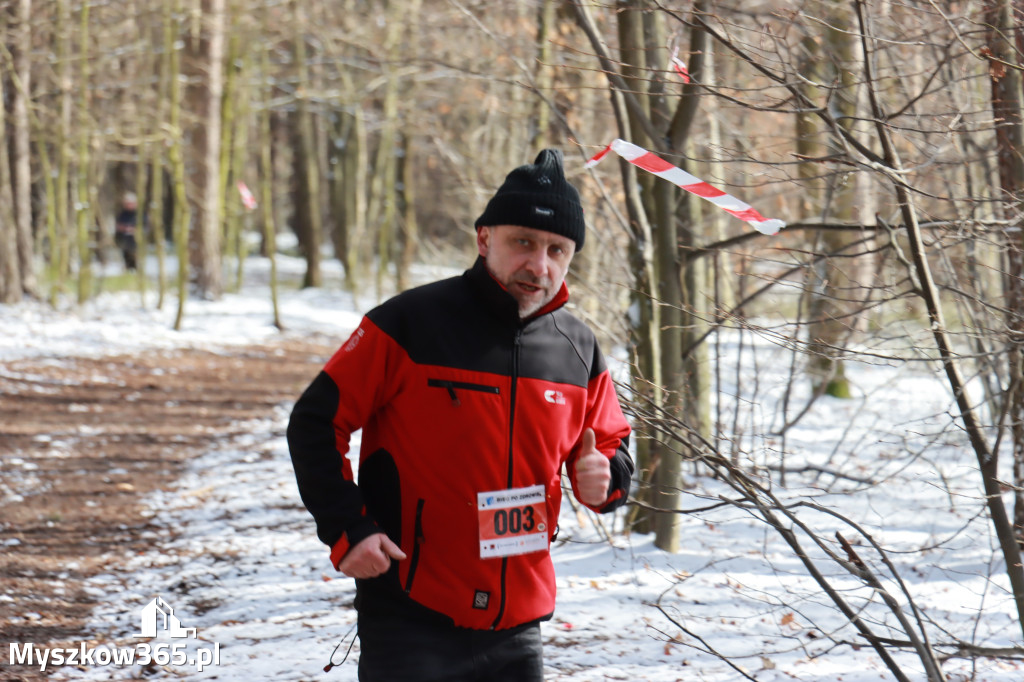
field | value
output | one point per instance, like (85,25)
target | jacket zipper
(511,460)
(452,385)
(417,541)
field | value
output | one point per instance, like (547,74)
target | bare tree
(206,70)
(176,161)
(83,208)
(669,223)
(987,461)
(308,216)
(21,148)
(1004,45)
(10,267)
(833,287)
(61,235)
(266,192)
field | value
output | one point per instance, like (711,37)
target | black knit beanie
(537,195)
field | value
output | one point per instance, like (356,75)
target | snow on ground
(116,322)
(237,558)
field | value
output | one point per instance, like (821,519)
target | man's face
(530,263)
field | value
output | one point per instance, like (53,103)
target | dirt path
(83,441)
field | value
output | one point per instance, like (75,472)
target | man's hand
(593,472)
(370,557)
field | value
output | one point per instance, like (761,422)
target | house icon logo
(158,616)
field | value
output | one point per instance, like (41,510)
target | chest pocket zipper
(451,386)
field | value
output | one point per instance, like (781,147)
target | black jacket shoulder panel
(561,349)
(470,322)
(445,323)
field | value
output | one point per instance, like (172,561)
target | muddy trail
(83,441)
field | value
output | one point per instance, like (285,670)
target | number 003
(514,520)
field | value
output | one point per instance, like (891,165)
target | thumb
(589,442)
(391,549)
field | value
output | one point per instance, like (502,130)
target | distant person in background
(471,393)
(124,229)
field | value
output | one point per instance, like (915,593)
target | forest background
(888,135)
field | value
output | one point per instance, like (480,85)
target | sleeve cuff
(618,488)
(339,550)
(351,537)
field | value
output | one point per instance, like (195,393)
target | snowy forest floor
(95,437)
(137,462)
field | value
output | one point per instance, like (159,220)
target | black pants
(126,242)
(397,649)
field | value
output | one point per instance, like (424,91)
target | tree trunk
(60,255)
(10,271)
(83,210)
(667,473)
(1008,107)
(696,401)
(406,163)
(543,76)
(176,160)
(407,208)
(670,296)
(645,319)
(341,125)
(679,378)
(21,156)
(686,378)
(164,102)
(266,191)
(233,132)
(308,217)
(240,218)
(832,288)
(353,220)
(206,94)
(383,184)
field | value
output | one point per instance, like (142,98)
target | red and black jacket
(455,396)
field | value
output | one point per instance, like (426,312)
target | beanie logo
(544,211)
(544,180)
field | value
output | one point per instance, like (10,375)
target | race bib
(513,522)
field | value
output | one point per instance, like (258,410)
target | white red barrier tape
(248,200)
(652,163)
(679,66)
